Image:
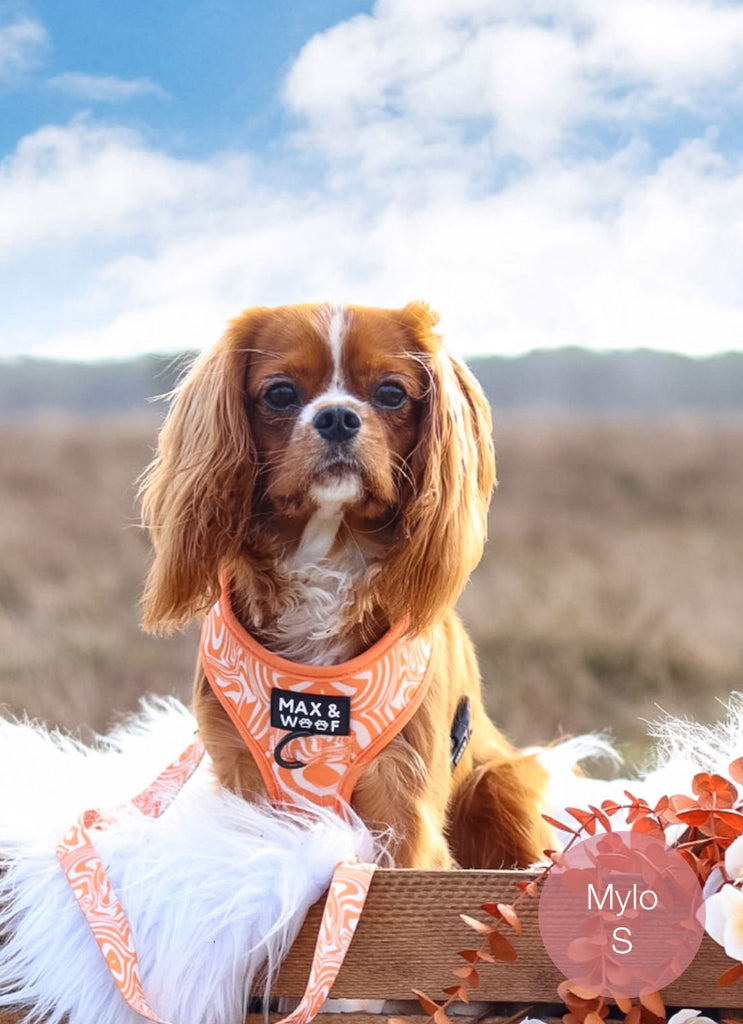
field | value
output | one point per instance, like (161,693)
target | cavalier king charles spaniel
(335,466)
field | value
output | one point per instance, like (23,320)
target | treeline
(29,386)
(641,381)
(571,380)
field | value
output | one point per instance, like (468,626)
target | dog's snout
(337,423)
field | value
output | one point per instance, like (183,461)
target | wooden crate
(410,933)
(409,936)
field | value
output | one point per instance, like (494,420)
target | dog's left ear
(443,527)
(197,493)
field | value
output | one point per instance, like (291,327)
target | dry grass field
(612,584)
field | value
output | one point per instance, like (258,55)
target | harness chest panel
(311,729)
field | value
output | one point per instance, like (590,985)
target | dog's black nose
(337,423)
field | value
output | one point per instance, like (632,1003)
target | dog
(331,469)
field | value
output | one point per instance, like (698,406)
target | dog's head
(305,409)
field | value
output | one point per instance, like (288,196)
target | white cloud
(104,88)
(531,266)
(22,42)
(85,182)
(675,46)
(527,74)
(448,130)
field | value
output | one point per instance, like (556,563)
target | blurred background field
(611,587)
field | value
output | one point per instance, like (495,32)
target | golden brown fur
(382,526)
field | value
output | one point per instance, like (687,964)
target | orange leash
(92,887)
(99,904)
(346,899)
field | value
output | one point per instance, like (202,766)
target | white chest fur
(312,625)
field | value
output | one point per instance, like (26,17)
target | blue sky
(215,66)
(543,172)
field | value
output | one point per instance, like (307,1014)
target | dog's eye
(389,395)
(281,396)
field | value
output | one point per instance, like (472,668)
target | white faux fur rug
(680,750)
(215,890)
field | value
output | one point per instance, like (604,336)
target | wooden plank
(410,933)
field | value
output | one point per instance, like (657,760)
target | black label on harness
(310,713)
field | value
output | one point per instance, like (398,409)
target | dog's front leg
(397,793)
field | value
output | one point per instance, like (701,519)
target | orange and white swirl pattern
(96,898)
(386,685)
(158,796)
(346,898)
(92,887)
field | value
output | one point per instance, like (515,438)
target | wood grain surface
(411,931)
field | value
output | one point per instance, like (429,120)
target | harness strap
(105,916)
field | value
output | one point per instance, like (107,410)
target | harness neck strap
(311,729)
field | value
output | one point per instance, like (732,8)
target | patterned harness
(311,731)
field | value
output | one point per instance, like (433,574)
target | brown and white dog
(336,464)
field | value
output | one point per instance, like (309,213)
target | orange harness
(330,720)
(312,729)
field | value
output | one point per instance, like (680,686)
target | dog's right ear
(197,493)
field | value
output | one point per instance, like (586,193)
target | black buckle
(461,730)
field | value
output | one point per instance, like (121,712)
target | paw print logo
(321,724)
(305,723)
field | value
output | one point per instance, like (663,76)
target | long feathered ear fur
(196,495)
(443,527)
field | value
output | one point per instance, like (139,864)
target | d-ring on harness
(331,720)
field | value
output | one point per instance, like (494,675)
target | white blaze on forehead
(334,322)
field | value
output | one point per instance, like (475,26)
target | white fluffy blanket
(215,890)
(681,748)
